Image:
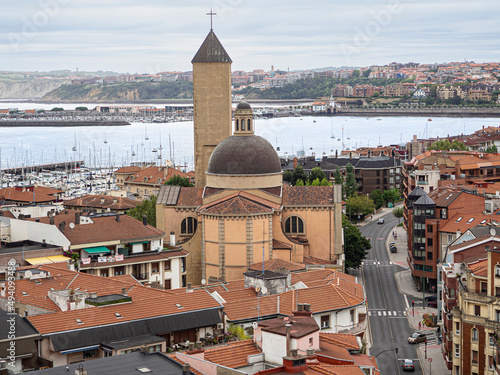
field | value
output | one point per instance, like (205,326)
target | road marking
(406,300)
(384,312)
(380,239)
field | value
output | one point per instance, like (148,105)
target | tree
(391,196)
(356,73)
(351,187)
(179,181)
(299,183)
(356,246)
(81,109)
(57,109)
(325,182)
(316,182)
(316,173)
(398,213)
(287,176)
(366,73)
(299,174)
(358,205)
(146,208)
(492,150)
(376,197)
(337,176)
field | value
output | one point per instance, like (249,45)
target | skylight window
(24,293)
(459,219)
(37,281)
(143,369)
(470,220)
(79,321)
(484,221)
(179,306)
(118,315)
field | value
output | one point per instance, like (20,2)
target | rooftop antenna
(211,14)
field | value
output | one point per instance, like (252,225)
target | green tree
(356,246)
(492,149)
(179,181)
(316,182)
(316,173)
(356,73)
(376,197)
(325,182)
(299,183)
(287,176)
(299,174)
(147,208)
(391,195)
(81,109)
(398,213)
(367,72)
(359,205)
(57,109)
(337,176)
(351,187)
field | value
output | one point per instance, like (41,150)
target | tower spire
(211,14)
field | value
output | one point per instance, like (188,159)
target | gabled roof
(211,51)
(278,265)
(341,339)
(128,169)
(40,194)
(467,221)
(479,268)
(302,324)
(239,203)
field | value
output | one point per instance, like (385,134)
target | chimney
(62,226)
(44,243)
(189,288)
(172,238)
(295,163)
(186,369)
(51,220)
(77,218)
(144,349)
(293,353)
(80,370)
(144,220)
(300,307)
(307,307)
(336,154)
(115,200)
(66,212)
(198,345)
(310,352)
(102,200)
(117,218)
(124,291)
(288,339)
(414,138)
(191,346)
(21,217)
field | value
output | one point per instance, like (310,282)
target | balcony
(141,276)
(422,182)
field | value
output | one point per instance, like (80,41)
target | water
(126,144)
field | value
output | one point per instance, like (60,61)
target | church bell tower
(211,101)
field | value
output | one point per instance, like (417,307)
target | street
(386,305)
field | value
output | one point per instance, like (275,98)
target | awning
(39,261)
(58,258)
(79,349)
(98,250)
(137,243)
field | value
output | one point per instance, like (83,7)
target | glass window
(188,225)
(237,125)
(294,225)
(325,321)
(248,125)
(475,335)
(243,125)
(457,351)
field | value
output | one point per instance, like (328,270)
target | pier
(61,167)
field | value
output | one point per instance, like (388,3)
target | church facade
(243,213)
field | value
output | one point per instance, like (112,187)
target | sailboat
(105,141)
(146,134)
(331,130)
(74,147)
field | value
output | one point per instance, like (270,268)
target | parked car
(408,365)
(381,221)
(432,304)
(432,297)
(416,338)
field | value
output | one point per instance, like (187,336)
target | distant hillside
(122,91)
(28,89)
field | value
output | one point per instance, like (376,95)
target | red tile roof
(278,265)
(239,203)
(129,169)
(307,195)
(102,202)
(154,175)
(479,268)
(41,194)
(343,340)
(190,196)
(233,355)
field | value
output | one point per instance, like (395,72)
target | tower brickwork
(211,101)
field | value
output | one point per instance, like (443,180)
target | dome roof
(243,105)
(244,155)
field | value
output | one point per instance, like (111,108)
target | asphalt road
(386,305)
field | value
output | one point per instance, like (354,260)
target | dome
(243,105)
(244,155)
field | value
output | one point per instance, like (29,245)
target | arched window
(237,126)
(294,225)
(248,125)
(243,125)
(188,225)
(475,335)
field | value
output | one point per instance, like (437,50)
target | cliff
(122,92)
(28,89)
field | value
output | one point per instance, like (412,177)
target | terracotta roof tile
(334,370)
(128,169)
(239,203)
(479,268)
(190,196)
(234,355)
(343,340)
(154,175)
(278,265)
(102,202)
(42,194)
(307,195)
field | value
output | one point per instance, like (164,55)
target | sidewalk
(406,286)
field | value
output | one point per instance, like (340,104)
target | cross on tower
(211,14)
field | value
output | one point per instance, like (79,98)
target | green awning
(98,250)
(137,243)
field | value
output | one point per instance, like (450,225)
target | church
(240,212)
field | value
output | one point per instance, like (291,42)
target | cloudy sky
(162,35)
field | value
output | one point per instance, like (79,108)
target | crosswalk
(386,313)
(377,263)
(431,337)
